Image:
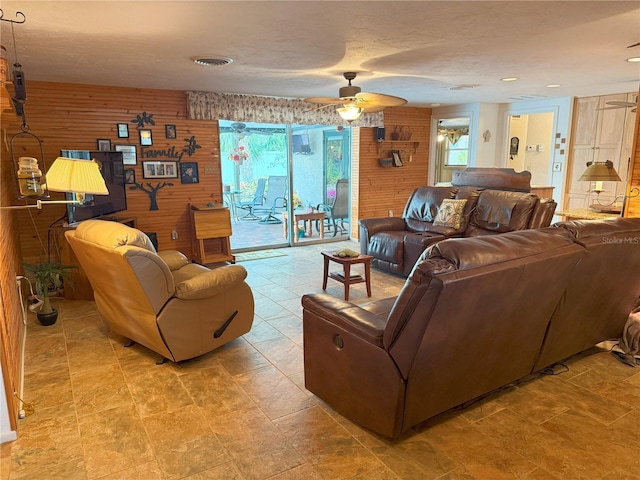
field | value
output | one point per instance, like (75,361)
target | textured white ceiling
(419,50)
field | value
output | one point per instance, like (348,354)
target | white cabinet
(600,133)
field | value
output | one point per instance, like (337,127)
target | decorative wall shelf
(397,145)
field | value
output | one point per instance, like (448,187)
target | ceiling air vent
(212,61)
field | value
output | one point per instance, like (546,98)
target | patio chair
(339,209)
(256,202)
(274,200)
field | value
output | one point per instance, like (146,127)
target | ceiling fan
(355,102)
(617,104)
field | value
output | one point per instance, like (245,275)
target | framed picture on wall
(104,145)
(397,161)
(170,131)
(123,130)
(189,172)
(129,156)
(159,169)
(145,137)
(129,175)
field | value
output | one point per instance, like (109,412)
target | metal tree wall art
(144,119)
(152,191)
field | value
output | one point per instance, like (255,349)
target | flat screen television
(96,206)
(300,143)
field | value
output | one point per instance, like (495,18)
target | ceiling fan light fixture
(350,112)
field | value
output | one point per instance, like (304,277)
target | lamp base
(605,208)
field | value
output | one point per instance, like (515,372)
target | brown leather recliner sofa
(396,243)
(475,314)
(159,299)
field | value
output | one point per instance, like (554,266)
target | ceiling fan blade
(621,104)
(323,100)
(321,107)
(366,108)
(380,99)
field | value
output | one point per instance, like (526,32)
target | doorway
(452,148)
(271,172)
(531,146)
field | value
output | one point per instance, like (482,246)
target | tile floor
(107,412)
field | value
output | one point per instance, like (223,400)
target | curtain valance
(252,108)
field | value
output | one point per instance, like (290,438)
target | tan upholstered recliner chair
(178,309)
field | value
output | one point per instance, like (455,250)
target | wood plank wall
(382,189)
(73,117)
(11,326)
(633,210)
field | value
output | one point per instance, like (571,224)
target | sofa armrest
(346,315)
(543,213)
(175,260)
(210,283)
(371,226)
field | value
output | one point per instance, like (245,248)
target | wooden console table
(211,229)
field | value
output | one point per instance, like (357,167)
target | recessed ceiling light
(633,59)
(553,85)
(509,79)
(212,61)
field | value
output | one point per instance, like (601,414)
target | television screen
(95,206)
(300,143)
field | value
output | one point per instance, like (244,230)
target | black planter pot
(48,319)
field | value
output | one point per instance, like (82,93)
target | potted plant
(48,275)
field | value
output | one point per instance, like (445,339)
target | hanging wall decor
(191,146)
(144,119)
(152,191)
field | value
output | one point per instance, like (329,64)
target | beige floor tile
(274,392)
(183,442)
(157,390)
(100,389)
(257,447)
(326,445)
(90,352)
(239,357)
(47,447)
(564,457)
(284,354)
(113,440)
(146,471)
(215,388)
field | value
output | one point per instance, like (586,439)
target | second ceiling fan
(356,102)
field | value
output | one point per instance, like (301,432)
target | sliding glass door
(285,184)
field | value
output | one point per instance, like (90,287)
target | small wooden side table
(347,278)
(308,219)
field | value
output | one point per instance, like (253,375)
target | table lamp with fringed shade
(73,175)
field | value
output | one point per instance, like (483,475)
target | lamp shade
(350,112)
(76,175)
(600,172)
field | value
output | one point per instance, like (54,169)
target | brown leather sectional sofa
(474,314)
(396,243)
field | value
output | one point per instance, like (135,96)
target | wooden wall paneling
(633,207)
(11,325)
(382,189)
(74,116)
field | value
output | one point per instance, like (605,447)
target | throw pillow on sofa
(450,213)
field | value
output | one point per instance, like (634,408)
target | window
(456,154)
